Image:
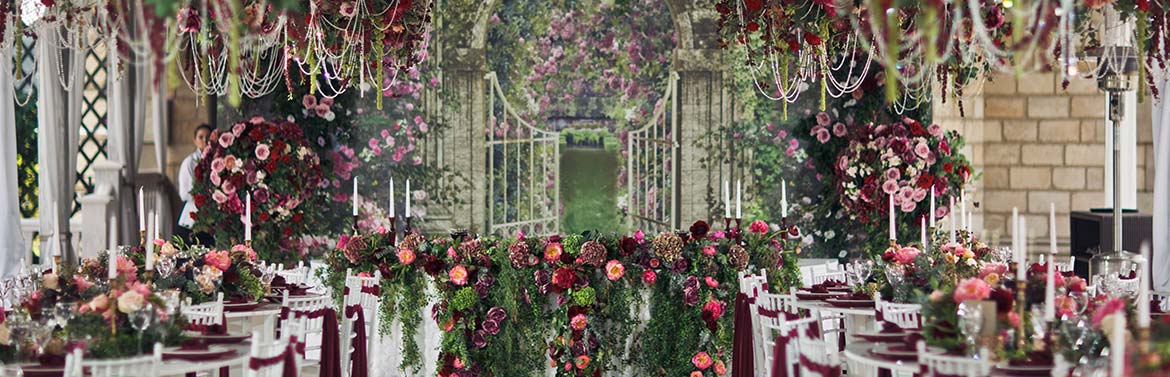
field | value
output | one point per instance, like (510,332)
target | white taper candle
(931,214)
(784,198)
(738,203)
(391,197)
(1022,257)
(141,210)
(726,199)
(1117,347)
(954,218)
(1143,298)
(407,194)
(355,196)
(893,228)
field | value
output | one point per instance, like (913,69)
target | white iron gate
(652,161)
(523,171)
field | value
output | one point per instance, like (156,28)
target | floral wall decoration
(509,306)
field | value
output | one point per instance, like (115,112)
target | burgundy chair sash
(311,314)
(288,358)
(359,360)
(219,329)
(330,346)
(822,369)
(743,352)
(780,355)
(375,290)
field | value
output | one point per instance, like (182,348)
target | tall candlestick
(726,199)
(1117,347)
(963,211)
(112,264)
(738,204)
(112,241)
(951,211)
(893,228)
(355,196)
(1015,233)
(784,198)
(408,199)
(1022,258)
(248,220)
(1143,297)
(1050,289)
(1052,229)
(932,217)
(157,226)
(923,240)
(141,210)
(392,197)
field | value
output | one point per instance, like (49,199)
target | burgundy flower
(699,229)
(541,278)
(433,266)
(497,314)
(479,339)
(491,327)
(564,277)
(680,265)
(628,246)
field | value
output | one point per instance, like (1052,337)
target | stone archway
(706,104)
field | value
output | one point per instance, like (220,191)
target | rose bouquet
(270,160)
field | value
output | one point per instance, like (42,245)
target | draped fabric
(1161,132)
(12,246)
(743,351)
(126,98)
(60,74)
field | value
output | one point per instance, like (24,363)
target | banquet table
(856,319)
(179,367)
(860,362)
(261,318)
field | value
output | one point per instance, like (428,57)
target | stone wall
(1035,143)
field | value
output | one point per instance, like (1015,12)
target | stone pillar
(705,105)
(462,144)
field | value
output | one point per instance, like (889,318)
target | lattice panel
(92,141)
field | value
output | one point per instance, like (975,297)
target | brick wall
(1035,143)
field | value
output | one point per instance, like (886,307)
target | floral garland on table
(510,306)
(200,273)
(272,161)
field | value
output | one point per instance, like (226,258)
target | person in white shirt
(186,182)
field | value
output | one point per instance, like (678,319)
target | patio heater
(1116,65)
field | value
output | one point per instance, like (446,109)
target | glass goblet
(970,324)
(62,313)
(141,319)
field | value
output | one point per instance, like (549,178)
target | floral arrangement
(272,161)
(200,273)
(493,295)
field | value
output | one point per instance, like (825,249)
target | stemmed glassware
(970,324)
(141,319)
(860,270)
(165,266)
(268,273)
(62,314)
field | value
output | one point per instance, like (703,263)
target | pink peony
(578,322)
(715,307)
(552,251)
(326,101)
(934,130)
(906,255)
(309,101)
(720,368)
(758,227)
(711,282)
(218,259)
(226,139)
(262,152)
(1076,284)
(702,360)
(992,268)
(458,275)
(649,277)
(321,110)
(972,289)
(823,135)
(406,256)
(614,270)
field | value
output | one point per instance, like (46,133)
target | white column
(12,247)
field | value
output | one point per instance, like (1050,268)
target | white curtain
(60,71)
(12,247)
(1161,128)
(126,121)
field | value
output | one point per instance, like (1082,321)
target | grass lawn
(588,192)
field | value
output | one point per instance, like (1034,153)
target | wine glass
(141,319)
(268,273)
(971,323)
(165,266)
(62,313)
(172,300)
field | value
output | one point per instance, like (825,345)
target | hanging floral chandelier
(794,46)
(249,47)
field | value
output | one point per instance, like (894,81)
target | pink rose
(720,368)
(823,119)
(972,289)
(1076,284)
(217,165)
(458,275)
(934,130)
(238,129)
(373,143)
(839,129)
(639,236)
(219,197)
(226,139)
(992,268)
(649,277)
(309,101)
(890,187)
(262,152)
(893,174)
(758,227)
(906,255)
(709,250)
(230,163)
(1065,306)
(711,282)
(702,360)
(1116,305)
(406,256)
(81,283)
(218,259)
(326,101)
(322,110)
(922,150)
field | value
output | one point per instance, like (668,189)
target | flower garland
(510,306)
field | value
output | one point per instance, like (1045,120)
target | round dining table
(861,362)
(171,367)
(857,319)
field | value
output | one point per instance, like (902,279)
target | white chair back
(771,312)
(359,292)
(816,358)
(1066,267)
(268,357)
(310,320)
(938,364)
(752,286)
(145,365)
(821,277)
(295,275)
(205,314)
(906,316)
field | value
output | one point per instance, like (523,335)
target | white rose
(168,249)
(130,302)
(49,281)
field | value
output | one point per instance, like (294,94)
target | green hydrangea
(572,244)
(585,296)
(464,299)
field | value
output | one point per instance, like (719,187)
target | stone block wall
(1032,143)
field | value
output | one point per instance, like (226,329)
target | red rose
(793,45)
(297,218)
(287,231)
(753,26)
(654,263)
(263,216)
(649,277)
(563,278)
(948,167)
(925,181)
(812,39)
(200,200)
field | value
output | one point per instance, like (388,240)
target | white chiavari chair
(816,358)
(1066,266)
(145,365)
(751,286)
(906,316)
(821,277)
(296,275)
(205,314)
(938,364)
(361,293)
(268,359)
(776,328)
(310,311)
